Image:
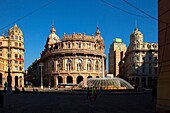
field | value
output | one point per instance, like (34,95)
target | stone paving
(73,102)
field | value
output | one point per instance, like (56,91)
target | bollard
(1,99)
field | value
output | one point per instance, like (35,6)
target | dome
(52,38)
(106,83)
(136,32)
(15,30)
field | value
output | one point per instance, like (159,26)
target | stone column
(65,79)
(85,81)
(75,80)
(55,80)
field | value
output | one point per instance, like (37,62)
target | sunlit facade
(116,54)
(72,59)
(140,63)
(15,55)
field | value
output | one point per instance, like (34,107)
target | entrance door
(16,81)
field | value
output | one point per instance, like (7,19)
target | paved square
(76,103)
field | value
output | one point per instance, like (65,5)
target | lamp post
(41,65)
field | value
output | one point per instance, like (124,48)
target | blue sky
(77,16)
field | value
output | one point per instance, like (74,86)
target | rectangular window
(137,58)
(15,50)
(15,37)
(19,44)
(16,55)
(143,70)
(0,49)
(16,68)
(16,44)
(16,62)
(143,58)
(0,43)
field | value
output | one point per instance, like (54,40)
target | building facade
(14,55)
(33,73)
(163,97)
(140,63)
(72,59)
(116,54)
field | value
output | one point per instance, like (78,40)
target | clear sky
(36,18)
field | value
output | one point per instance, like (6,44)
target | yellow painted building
(15,56)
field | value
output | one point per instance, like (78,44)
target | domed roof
(15,29)
(136,32)
(52,38)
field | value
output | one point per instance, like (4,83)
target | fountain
(105,83)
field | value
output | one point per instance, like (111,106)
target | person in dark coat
(88,94)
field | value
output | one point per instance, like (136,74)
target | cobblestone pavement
(58,102)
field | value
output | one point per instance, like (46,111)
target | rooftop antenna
(136,23)
(53,22)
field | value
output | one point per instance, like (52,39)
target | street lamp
(41,65)
(9,78)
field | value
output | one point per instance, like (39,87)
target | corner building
(140,63)
(15,56)
(72,59)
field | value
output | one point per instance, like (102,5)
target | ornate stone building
(15,55)
(72,59)
(116,54)
(140,63)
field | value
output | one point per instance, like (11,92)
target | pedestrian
(88,94)
(100,91)
(95,93)
(5,86)
(154,94)
(92,92)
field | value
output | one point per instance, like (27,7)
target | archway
(89,77)
(79,79)
(69,79)
(16,81)
(0,79)
(60,79)
(97,76)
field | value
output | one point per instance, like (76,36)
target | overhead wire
(144,12)
(122,9)
(28,14)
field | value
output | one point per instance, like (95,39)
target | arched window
(88,65)
(97,66)
(68,64)
(52,65)
(59,65)
(68,45)
(79,45)
(79,65)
